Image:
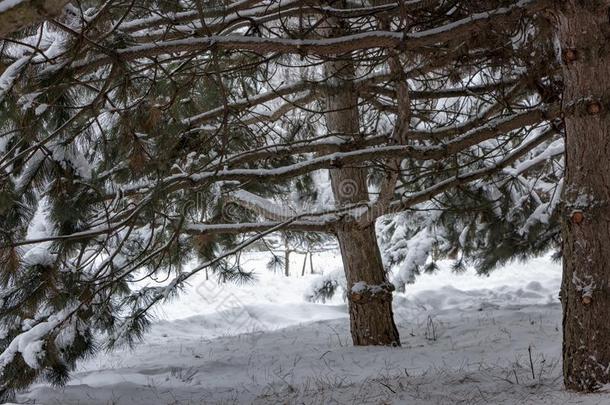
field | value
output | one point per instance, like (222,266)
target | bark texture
(369,293)
(583,31)
(24,13)
(370,305)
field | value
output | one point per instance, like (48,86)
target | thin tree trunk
(304,265)
(286,257)
(311,262)
(583,31)
(369,292)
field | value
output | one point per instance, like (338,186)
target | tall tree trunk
(369,292)
(583,30)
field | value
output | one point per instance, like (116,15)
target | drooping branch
(468,177)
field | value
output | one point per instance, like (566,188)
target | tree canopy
(136,136)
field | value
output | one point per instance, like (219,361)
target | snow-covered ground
(465,340)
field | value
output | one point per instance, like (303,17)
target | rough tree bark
(583,29)
(15,15)
(369,292)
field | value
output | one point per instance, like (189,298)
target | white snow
(418,250)
(11,74)
(31,352)
(359,287)
(29,343)
(39,228)
(41,109)
(7,4)
(465,339)
(556,148)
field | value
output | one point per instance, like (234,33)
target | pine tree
(137,138)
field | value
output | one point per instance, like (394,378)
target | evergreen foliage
(138,137)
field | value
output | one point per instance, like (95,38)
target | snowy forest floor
(465,340)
